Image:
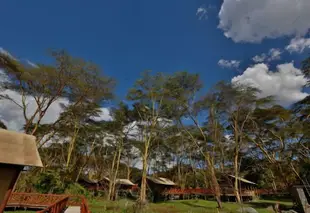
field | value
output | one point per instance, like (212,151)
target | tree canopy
(169,126)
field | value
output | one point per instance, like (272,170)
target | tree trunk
(71,145)
(274,185)
(236,171)
(214,183)
(180,175)
(115,174)
(111,177)
(144,176)
(128,172)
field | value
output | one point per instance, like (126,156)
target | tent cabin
(91,185)
(246,187)
(124,184)
(17,150)
(123,188)
(156,186)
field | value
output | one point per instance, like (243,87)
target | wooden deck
(49,202)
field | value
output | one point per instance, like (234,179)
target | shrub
(76,189)
(49,182)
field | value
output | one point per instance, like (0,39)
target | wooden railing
(84,206)
(48,202)
(189,191)
(34,200)
(204,191)
(57,207)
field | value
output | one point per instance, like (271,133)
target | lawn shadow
(265,205)
(197,206)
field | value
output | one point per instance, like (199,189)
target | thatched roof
(120,181)
(18,149)
(243,180)
(161,180)
(124,182)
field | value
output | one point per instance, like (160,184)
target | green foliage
(76,189)
(49,182)
(201,135)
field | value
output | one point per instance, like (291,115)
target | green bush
(76,189)
(49,182)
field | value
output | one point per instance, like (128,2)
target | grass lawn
(182,206)
(178,206)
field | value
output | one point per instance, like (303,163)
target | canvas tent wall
(16,151)
(157,186)
(246,187)
(92,185)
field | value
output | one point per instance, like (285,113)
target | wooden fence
(47,202)
(204,191)
(57,207)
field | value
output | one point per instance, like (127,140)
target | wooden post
(11,187)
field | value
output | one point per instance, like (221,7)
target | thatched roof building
(16,151)
(120,183)
(157,186)
(246,187)
(104,183)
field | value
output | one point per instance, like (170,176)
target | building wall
(8,175)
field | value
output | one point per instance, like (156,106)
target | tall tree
(238,103)
(148,94)
(119,128)
(183,89)
(70,78)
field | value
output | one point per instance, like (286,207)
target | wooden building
(121,185)
(246,188)
(87,183)
(156,186)
(16,151)
(124,184)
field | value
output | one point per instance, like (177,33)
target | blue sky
(126,37)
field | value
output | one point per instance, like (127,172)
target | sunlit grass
(182,206)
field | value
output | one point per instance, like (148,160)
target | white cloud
(4,52)
(298,45)
(228,63)
(259,58)
(273,54)
(255,20)
(202,13)
(104,115)
(285,84)
(31,64)
(12,114)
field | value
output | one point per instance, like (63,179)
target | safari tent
(103,184)
(17,150)
(156,186)
(247,188)
(91,185)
